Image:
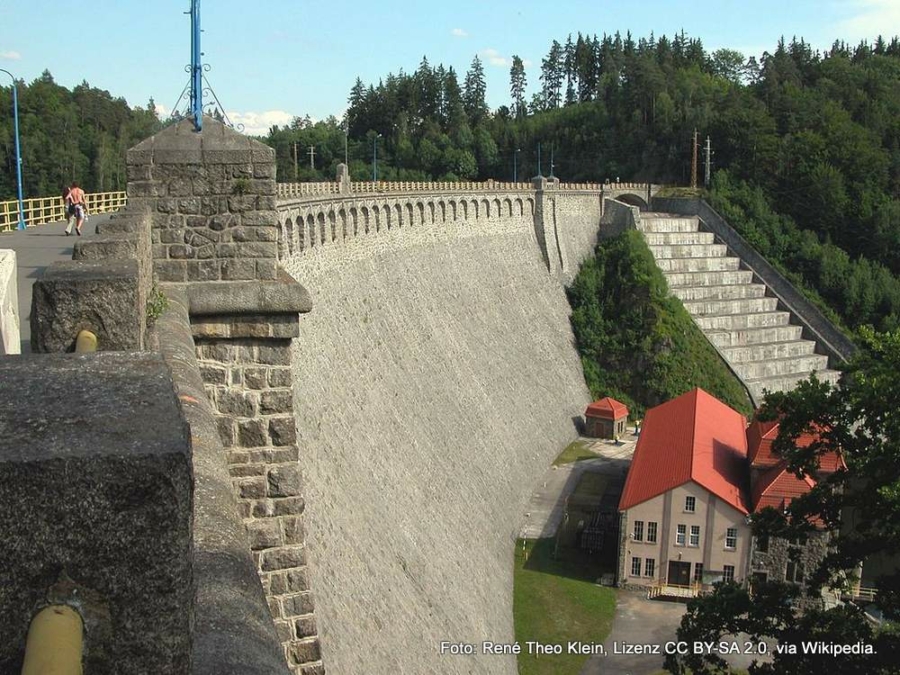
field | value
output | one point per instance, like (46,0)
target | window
(698,572)
(695,535)
(680,535)
(651,532)
(762,543)
(638,530)
(794,567)
(731,538)
(690,504)
(649,567)
(728,573)
(635,567)
(794,572)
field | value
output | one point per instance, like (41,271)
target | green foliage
(157,304)
(240,186)
(852,292)
(557,600)
(637,343)
(79,135)
(860,506)
(574,452)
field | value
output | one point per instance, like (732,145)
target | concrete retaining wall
(434,381)
(9,305)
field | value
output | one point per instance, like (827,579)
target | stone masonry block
(279,377)
(255,378)
(263,534)
(284,630)
(282,558)
(275,401)
(202,270)
(235,403)
(305,652)
(251,488)
(285,481)
(213,374)
(266,270)
(305,627)
(96,480)
(170,270)
(298,605)
(100,296)
(289,506)
(237,270)
(315,669)
(283,431)
(252,433)
(293,531)
(277,355)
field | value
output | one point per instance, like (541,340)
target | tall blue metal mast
(196,67)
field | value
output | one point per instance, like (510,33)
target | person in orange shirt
(76,199)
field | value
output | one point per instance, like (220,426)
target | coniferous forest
(806,145)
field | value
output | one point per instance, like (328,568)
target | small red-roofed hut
(605,418)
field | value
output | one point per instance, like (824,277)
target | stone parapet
(103,289)
(617,218)
(233,630)
(211,197)
(9,304)
(243,335)
(96,492)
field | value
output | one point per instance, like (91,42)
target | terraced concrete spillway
(435,379)
(756,337)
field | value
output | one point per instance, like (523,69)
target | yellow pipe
(55,642)
(85,342)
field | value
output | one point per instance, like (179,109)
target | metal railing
(285,190)
(665,589)
(42,210)
(859,593)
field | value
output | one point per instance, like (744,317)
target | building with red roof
(684,507)
(605,418)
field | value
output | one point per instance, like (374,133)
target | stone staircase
(752,334)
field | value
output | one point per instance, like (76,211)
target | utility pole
(708,151)
(552,148)
(539,160)
(694,161)
(312,154)
(296,165)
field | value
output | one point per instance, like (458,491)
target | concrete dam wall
(434,381)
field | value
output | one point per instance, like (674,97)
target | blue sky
(273,59)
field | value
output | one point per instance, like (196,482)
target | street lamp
(18,151)
(516,165)
(375,157)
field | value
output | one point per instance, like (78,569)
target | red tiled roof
(694,437)
(607,408)
(761,435)
(778,486)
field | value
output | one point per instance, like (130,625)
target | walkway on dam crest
(36,249)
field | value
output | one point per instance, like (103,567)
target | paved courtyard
(546,507)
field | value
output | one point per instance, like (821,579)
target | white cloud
(459,32)
(870,19)
(494,58)
(161,111)
(526,63)
(259,123)
(10,56)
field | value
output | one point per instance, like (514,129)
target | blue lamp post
(196,67)
(18,151)
(375,157)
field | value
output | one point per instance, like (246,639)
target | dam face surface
(434,381)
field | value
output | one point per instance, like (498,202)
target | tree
(860,506)
(552,73)
(474,92)
(517,84)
